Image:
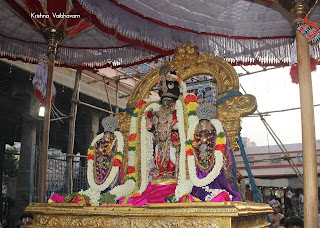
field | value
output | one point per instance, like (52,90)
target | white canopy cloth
(242,32)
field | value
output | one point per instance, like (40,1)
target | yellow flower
(90,151)
(189,147)
(132,175)
(118,157)
(132,143)
(221,140)
(192,106)
(136,110)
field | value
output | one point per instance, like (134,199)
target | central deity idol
(176,150)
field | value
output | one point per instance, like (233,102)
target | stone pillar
(25,182)
(95,126)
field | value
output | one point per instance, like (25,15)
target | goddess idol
(104,161)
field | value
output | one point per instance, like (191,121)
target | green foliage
(107,198)
(171,199)
(10,163)
(70,196)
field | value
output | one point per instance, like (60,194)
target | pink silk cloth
(221,197)
(57,198)
(153,194)
(157,194)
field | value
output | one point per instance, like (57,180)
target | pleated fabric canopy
(121,33)
(242,32)
(85,46)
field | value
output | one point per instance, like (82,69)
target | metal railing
(56,174)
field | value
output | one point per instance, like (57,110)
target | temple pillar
(25,177)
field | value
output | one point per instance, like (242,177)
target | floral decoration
(115,165)
(181,128)
(218,153)
(134,136)
(191,105)
(182,188)
(124,189)
(214,193)
(190,98)
(93,194)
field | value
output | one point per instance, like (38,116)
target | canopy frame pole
(53,36)
(299,9)
(310,175)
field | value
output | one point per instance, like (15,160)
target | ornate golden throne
(187,62)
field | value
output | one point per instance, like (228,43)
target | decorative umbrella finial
(53,35)
(297,8)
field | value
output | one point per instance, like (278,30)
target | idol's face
(169,89)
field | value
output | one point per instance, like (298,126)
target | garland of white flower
(182,134)
(186,186)
(146,149)
(146,154)
(93,194)
(129,186)
(124,189)
(214,193)
(147,146)
(218,159)
(114,169)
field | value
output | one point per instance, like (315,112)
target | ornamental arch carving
(187,62)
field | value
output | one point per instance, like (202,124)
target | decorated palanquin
(171,158)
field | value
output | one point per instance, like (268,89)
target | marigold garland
(190,98)
(131,169)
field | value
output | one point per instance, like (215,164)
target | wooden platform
(195,214)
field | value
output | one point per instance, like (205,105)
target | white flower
(214,193)
(124,189)
(182,136)
(213,173)
(192,126)
(146,154)
(218,125)
(93,194)
(133,125)
(97,138)
(183,188)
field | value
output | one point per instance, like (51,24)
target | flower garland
(214,193)
(132,172)
(218,153)
(190,106)
(124,189)
(144,106)
(146,154)
(182,188)
(115,165)
(182,135)
(93,194)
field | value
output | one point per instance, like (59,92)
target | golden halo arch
(187,62)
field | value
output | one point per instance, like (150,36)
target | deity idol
(104,166)
(159,149)
(209,177)
(104,160)
(157,137)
